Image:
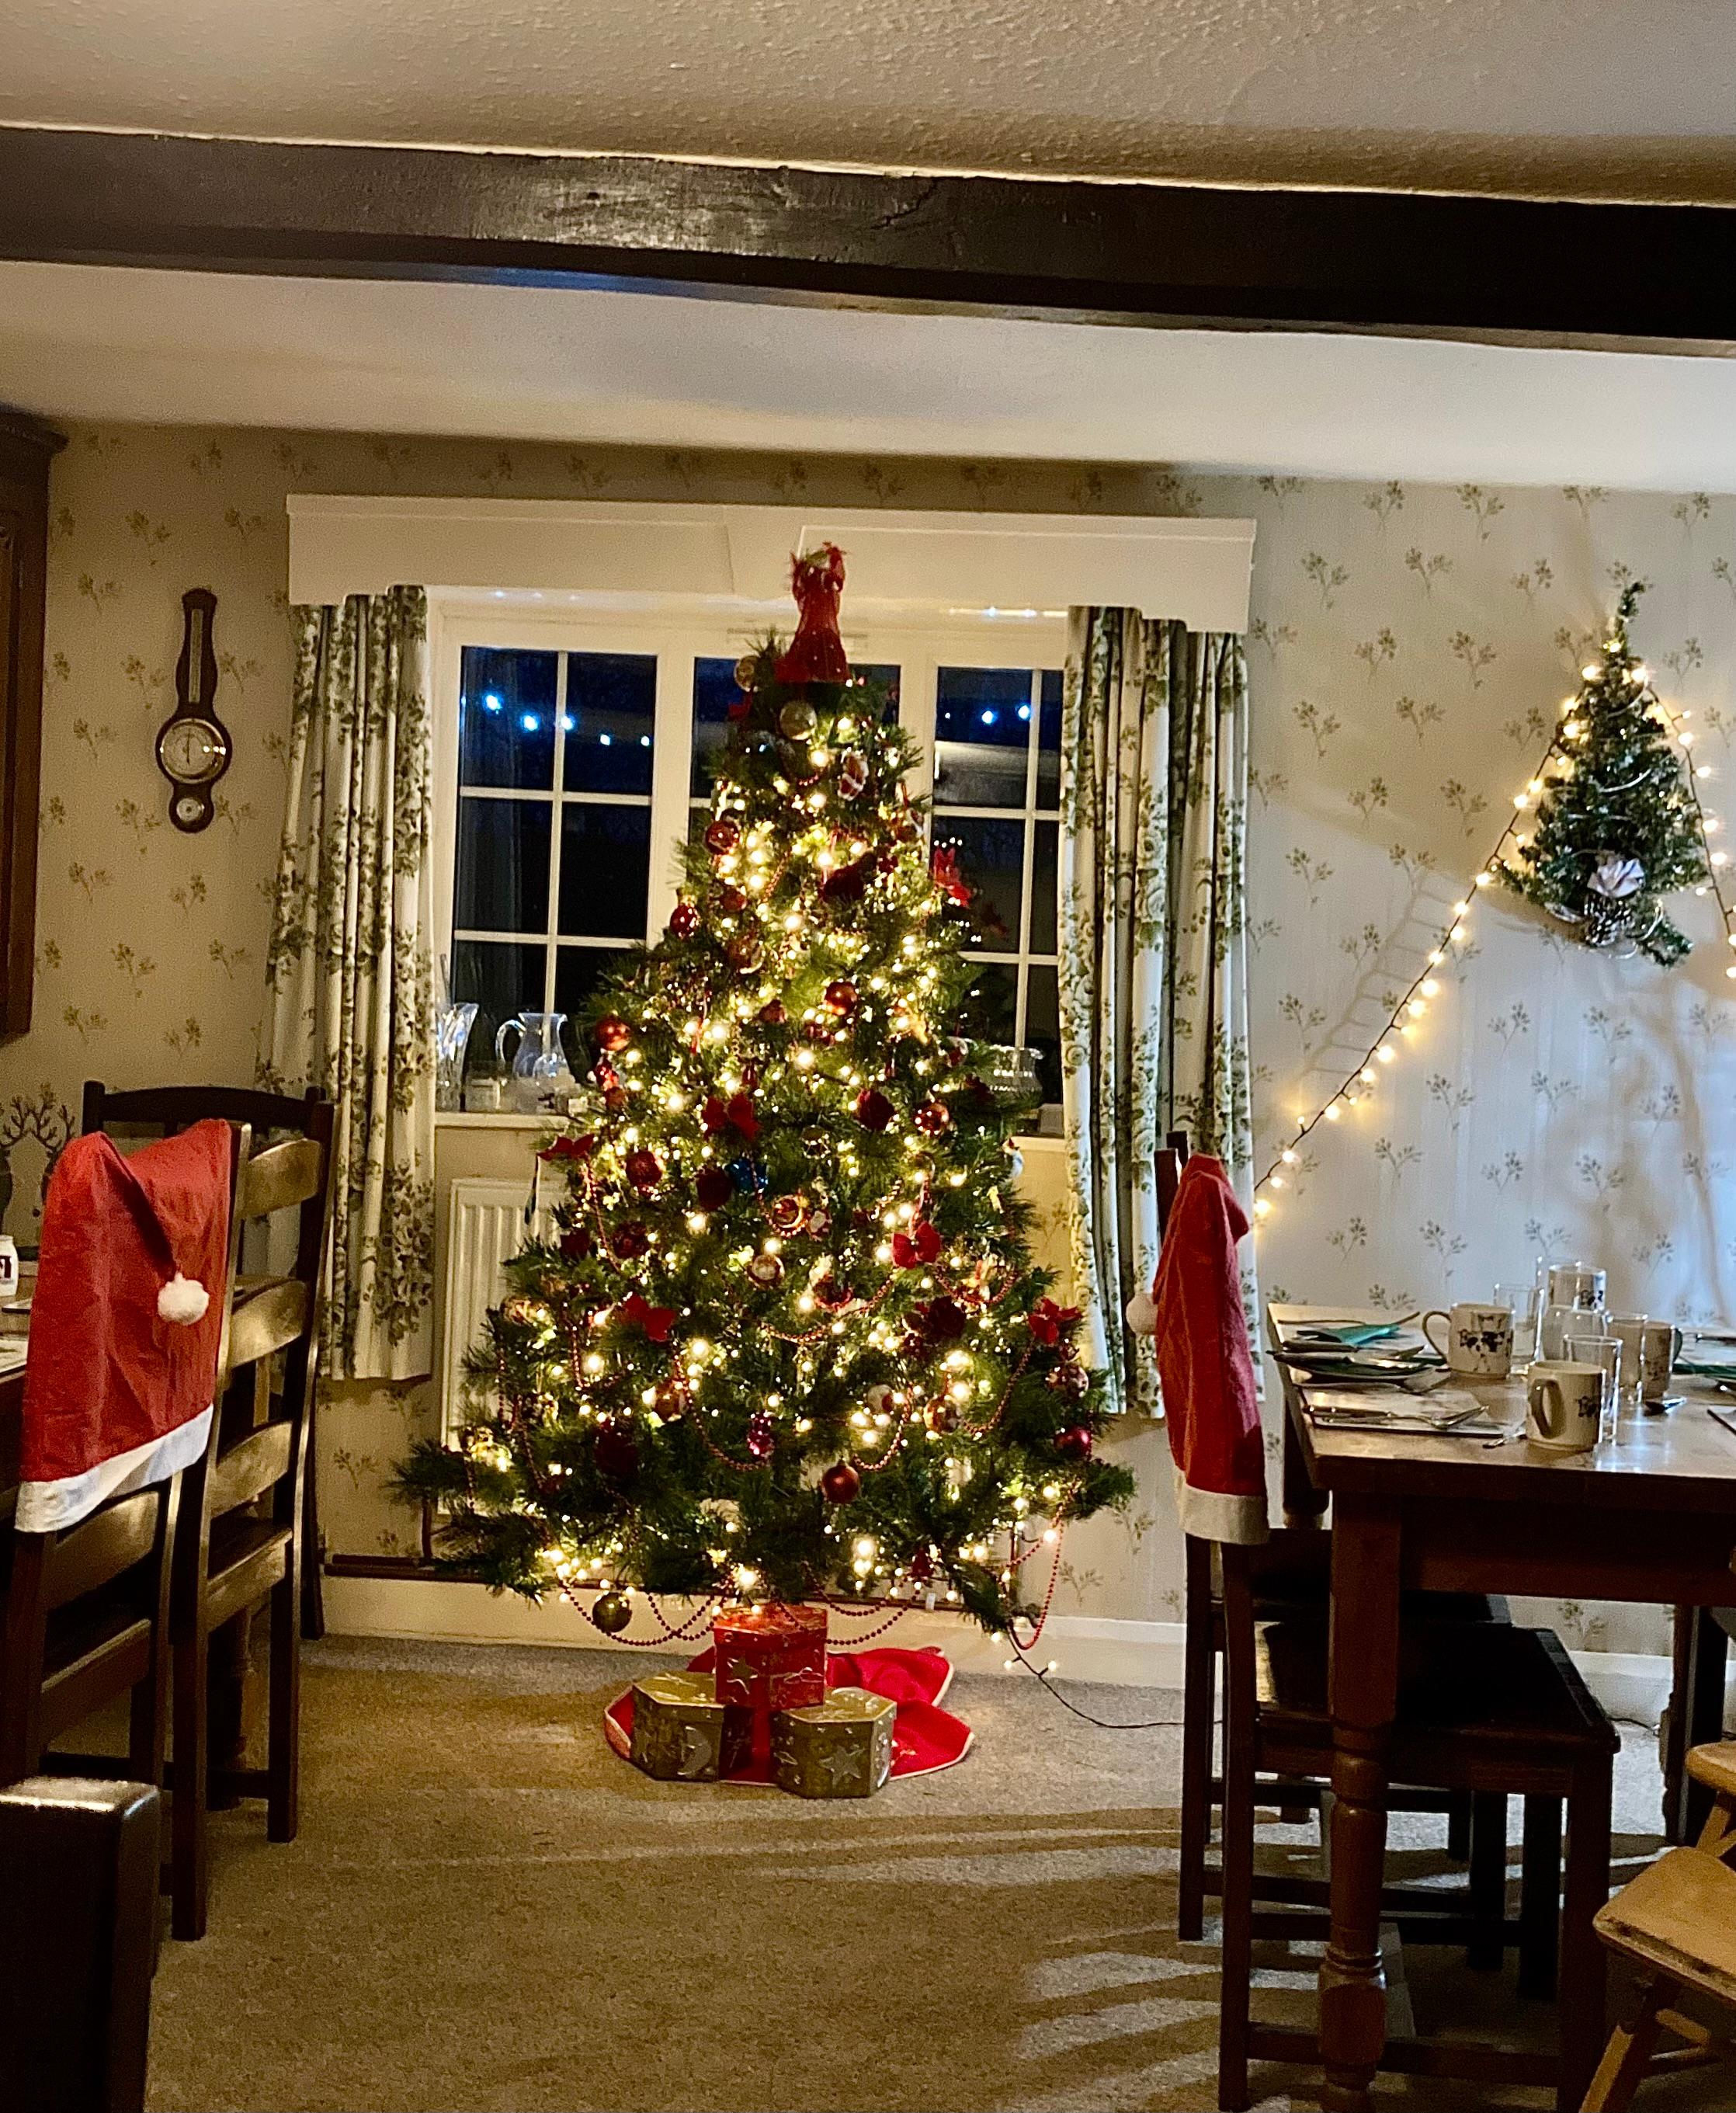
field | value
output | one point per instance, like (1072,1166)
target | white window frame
(509,622)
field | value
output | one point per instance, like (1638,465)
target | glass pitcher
(452,1026)
(542,1079)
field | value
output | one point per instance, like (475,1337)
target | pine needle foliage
(788,1340)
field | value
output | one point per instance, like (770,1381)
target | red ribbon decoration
(736,1113)
(1049,1322)
(816,654)
(569,1148)
(655,1321)
(947,878)
(916,1249)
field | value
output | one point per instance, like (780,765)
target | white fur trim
(1142,1313)
(182,1299)
(1215,1515)
(48,1507)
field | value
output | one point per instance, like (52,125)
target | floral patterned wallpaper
(1409,647)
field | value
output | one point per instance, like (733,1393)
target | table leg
(1363,1684)
(1699,1705)
(1305,1505)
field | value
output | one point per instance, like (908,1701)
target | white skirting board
(1630,1684)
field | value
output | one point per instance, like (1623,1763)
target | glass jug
(452,1026)
(542,1079)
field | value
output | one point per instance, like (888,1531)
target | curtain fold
(1153,950)
(349,975)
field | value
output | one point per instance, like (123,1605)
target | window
(573,751)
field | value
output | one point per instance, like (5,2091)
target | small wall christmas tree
(790,1343)
(1618,827)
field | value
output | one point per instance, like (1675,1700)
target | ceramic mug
(1649,1350)
(1479,1340)
(1564,1405)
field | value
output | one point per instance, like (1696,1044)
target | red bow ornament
(655,1320)
(1049,1322)
(568,1147)
(736,1113)
(916,1249)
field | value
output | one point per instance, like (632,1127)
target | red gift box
(770,1657)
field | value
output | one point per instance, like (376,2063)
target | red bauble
(829,1295)
(767,1271)
(843,997)
(840,1483)
(731,901)
(577,1244)
(744,950)
(644,1169)
(773,1014)
(1070,1380)
(848,883)
(1074,1444)
(630,1241)
(613,1032)
(683,921)
(874,1110)
(934,1118)
(722,836)
(942,1320)
(713,1188)
(614,1099)
(616,1452)
(762,1435)
(787,1212)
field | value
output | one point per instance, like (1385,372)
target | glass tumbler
(1594,1346)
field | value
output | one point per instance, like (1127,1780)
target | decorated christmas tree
(788,1343)
(1618,826)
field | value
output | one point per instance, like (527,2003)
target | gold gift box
(841,1747)
(681,1732)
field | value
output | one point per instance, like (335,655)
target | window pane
(714,691)
(605,870)
(1049,740)
(991,858)
(611,715)
(506,718)
(502,882)
(1044,872)
(990,1011)
(577,972)
(500,981)
(886,673)
(982,736)
(1043,1028)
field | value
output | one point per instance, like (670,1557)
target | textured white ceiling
(1595,97)
(517,362)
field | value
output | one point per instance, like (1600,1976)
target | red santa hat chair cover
(127,1321)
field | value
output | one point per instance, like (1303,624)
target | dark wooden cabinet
(26,449)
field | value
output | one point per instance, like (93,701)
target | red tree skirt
(924,1736)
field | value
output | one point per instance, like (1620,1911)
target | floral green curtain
(1153,955)
(349,986)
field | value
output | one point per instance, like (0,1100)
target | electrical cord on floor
(1042,1676)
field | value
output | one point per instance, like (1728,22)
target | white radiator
(486,1228)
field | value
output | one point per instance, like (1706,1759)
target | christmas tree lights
(788,1343)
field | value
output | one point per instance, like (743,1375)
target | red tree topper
(816,654)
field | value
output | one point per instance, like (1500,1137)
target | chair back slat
(99,1548)
(282,1176)
(247,1470)
(267,1320)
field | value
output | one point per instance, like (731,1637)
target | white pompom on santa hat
(182,1299)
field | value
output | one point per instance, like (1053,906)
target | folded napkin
(1347,1335)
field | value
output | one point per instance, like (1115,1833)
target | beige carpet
(485,1909)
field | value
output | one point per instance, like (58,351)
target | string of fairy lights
(1404,1023)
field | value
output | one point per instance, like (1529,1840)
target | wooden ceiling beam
(1501,270)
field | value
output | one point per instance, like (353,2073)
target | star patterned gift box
(681,1732)
(841,1747)
(770,1657)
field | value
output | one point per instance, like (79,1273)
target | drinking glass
(1523,1302)
(1595,1346)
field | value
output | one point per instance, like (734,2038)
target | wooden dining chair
(1675,1923)
(242,1541)
(1290,1576)
(88,1621)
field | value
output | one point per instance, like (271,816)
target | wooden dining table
(1648,1517)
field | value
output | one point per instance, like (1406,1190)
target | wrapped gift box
(770,1657)
(841,1747)
(681,1732)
